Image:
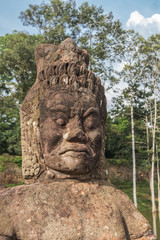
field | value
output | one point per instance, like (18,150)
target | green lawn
(143,199)
(143,193)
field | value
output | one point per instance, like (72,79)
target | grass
(143,199)
(14,185)
(2,166)
(9,158)
(143,193)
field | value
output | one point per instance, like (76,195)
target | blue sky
(142,15)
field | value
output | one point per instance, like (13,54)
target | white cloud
(145,26)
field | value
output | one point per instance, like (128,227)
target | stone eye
(61,122)
(90,124)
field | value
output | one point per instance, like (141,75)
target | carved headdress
(60,68)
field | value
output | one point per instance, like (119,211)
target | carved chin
(72,162)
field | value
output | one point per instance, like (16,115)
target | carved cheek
(95,137)
(53,142)
(52,136)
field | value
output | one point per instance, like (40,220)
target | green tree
(130,74)
(150,51)
(103,38)
(117,137)
(17,64)
(17,75)
(91,28)
(9,125)
(120,137)
(56,21)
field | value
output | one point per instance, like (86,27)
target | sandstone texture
(70,210)
(64,110)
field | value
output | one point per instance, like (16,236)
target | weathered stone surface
(71,210)
(64,110)
(63,130)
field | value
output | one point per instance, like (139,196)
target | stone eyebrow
(90,111)
(58,108)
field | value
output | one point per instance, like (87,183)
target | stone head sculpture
(63,116)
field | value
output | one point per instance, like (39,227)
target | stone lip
(70,209)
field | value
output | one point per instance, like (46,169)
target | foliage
(17,75)
(2,166)
(117,144)
(9,125)
(17,64)
(116,161)
(56,20)
(88,25)
(10,158)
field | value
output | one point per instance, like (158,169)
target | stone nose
(75,134)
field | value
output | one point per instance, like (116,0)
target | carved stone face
(71,132)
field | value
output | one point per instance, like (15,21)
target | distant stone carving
(63,121)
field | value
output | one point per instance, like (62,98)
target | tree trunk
(153,152)
(147,133)
(133,151)
(154,224)
(158,178)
